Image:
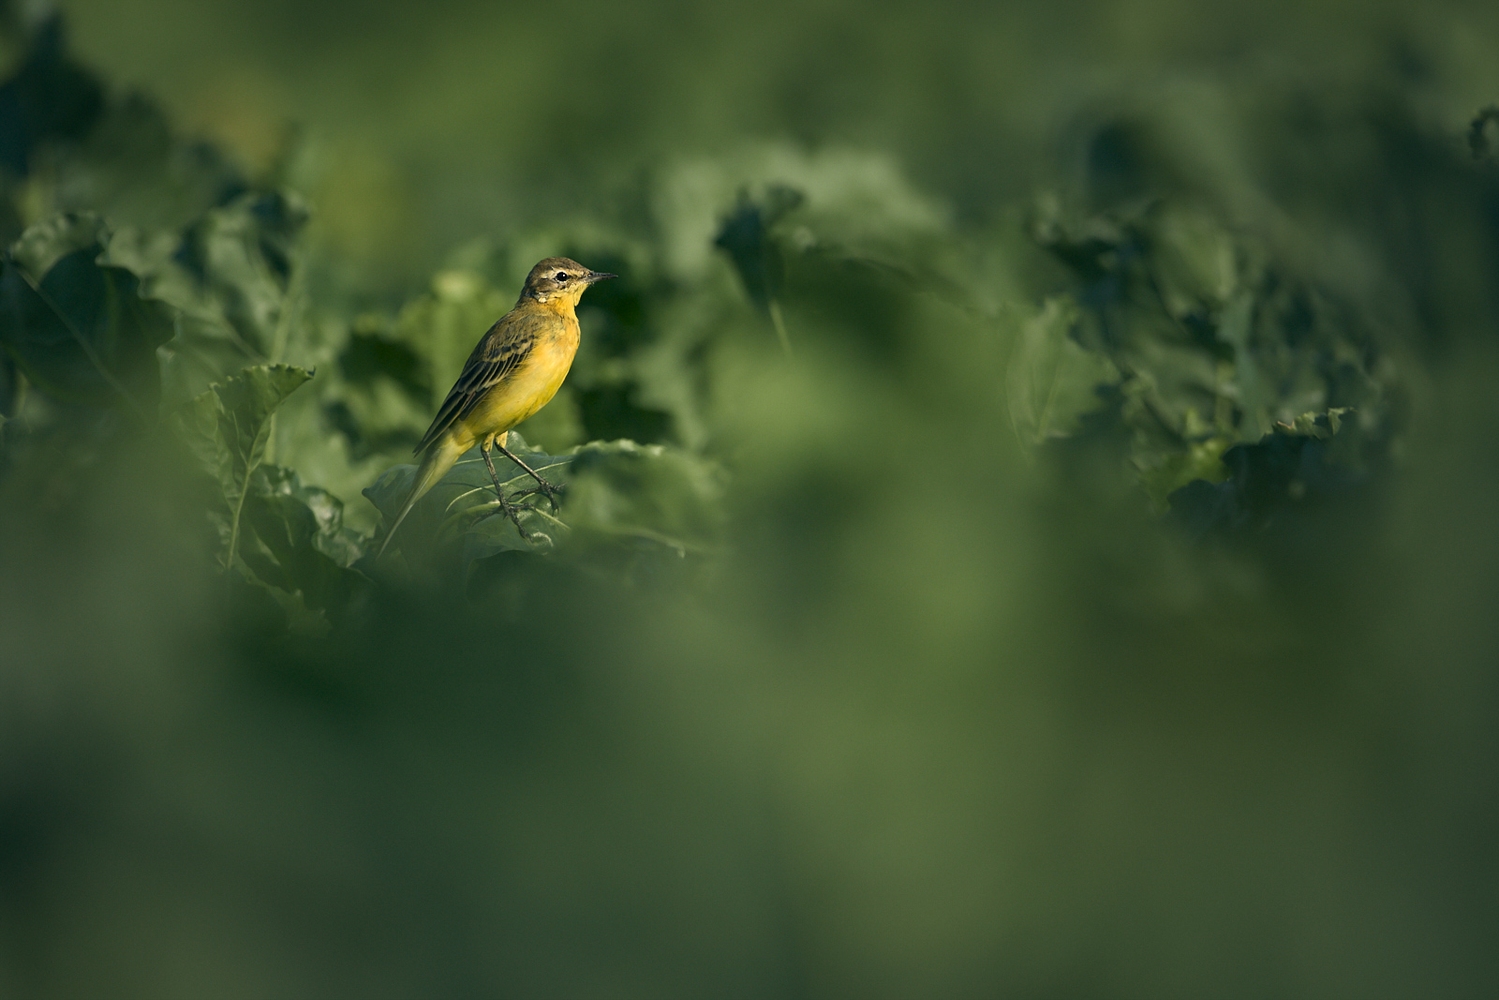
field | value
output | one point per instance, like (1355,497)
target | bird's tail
(435,464)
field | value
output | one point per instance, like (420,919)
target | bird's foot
(552,491)
(511,511)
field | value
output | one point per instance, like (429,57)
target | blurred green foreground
(1031,518)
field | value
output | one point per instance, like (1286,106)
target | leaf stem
(779,322)
(239,506)
(281,335)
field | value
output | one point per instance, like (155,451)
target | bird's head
(557,280)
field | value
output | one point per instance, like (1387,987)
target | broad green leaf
(80,329)
(1052,380)
(1195,260)
(745,235)
(243,258)
(332,537)
(647,496)
(295,541)
(460,508)
(233,283)
(620,495)
(379,398)
(227,427)
(1164,472)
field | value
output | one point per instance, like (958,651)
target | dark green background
(939,713)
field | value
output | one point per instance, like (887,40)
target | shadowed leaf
(620,495)
(80,330)
(227,427)
(1052,380)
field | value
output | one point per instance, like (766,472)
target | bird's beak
(595,276)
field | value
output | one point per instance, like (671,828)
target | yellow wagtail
(514,370)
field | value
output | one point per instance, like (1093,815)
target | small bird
(514,370)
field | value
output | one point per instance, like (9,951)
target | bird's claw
(551,491)
(511,511)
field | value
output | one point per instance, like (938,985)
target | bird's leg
(546,489)
(510,510)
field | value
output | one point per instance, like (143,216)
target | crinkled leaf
(1318,425)
(1217,342)
(80,329)
(294,540)
(1290,467)
(227,427)
(1052,380)
(45,243)
(332,538)
(231,281)
(242,257)
(644,495)
(459,506)
(1195,261)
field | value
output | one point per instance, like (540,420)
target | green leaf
(1162,473)
(1052,380)
(442,326)
(620,496)
(227,427)
(295,540)
(80,329)
(1318,425)
(233,283)
(45,243)
(1478,132)
(1218,341)
(1194,260)
(745,235)
(644,496)
(243,256)
(380,398)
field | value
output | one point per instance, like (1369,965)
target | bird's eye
(561,275)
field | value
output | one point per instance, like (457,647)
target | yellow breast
(531,387)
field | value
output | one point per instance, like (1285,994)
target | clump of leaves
(233,280)
(1215,344)
(274,531)
(77,328)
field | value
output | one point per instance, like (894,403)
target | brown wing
(495,359)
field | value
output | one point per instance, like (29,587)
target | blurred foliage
(1064,572)
(1215,345)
